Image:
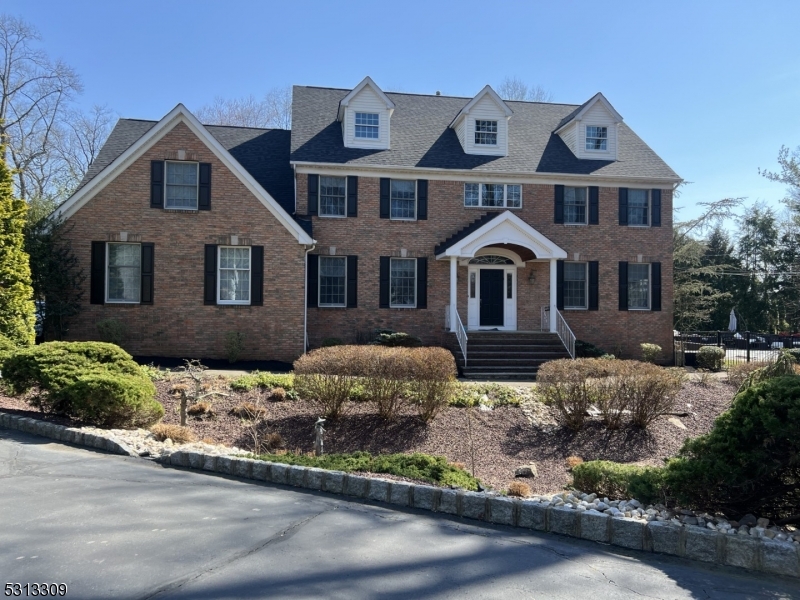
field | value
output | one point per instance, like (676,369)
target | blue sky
(713,87)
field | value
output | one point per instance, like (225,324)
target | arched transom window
(491,259)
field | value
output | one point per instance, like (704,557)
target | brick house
(463,221)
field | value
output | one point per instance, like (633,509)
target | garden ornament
(320,431)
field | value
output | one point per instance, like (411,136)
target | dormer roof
(486,91)
(578,113)
(367,81)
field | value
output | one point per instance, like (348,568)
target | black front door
(491,297)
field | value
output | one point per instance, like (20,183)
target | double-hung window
(403,200)
(638,207)
(493,195)
(575,288)
(403,283)
(638,286)
(596,138)
(332,196)
(234,275)
(181,185)
(485,133)
(332,280)
(574,205)
(367,126)
(124,272)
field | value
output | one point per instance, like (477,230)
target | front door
(491,298)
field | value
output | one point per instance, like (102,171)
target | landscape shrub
(710,357)
(327,377)
(612,390)
(199,408)
(748,462)
(331,341)
(114,400)
(587,350)
(234,345)
(176,433)
(403,340)
(652,392)
(432,381)
(650,352)
(277,394)
(472,394)
(384,372)
(7,348)
(737,373)
(263,380)
(112,331)
(617,480)
(519,489)
(153,372)
(794,353)
(566,385)
(421,467)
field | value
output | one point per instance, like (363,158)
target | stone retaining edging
(687,541)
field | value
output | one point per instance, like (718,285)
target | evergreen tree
(724,280)
(17,312)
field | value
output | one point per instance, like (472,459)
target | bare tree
(274,110)
(513,88)
(77,143)
(34,93)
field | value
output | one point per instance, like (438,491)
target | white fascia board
(508,228)
(180,114)
(487,90)
(440,174)
(367,81)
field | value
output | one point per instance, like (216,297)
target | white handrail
(461,335)
(565,333)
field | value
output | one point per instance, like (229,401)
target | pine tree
(17,311)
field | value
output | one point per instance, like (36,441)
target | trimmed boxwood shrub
(618,480)
(113,400)
(710,357)
(263,380)
(587,350)
(402,340)
(749,461)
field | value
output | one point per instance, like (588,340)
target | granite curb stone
(701,544)
(378,490)
(665,537)
(565,521)
(779,557)
(595,526)
(628,533)
(356,485)
(502,510)
(448,502)
(533,515)
(400,493)
(297,476)
(333,482)
(425,497)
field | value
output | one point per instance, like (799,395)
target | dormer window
(181,192)
(596,138)
(367,126)
(486,133)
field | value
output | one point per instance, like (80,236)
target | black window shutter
(422,282)
(97,285)
(385,191)
(157,184)
(422,199)
(352,281)
(655,208)
(594,285)
(312,283)
(655,286)
(623,206)
(204,187)
(560,285)
(210,275)
(623,285)
(559,204)
(594,205)
(352,196)
(383,300)
(257,275)
(313,194)
(148,264)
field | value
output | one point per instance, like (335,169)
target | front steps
(508,355)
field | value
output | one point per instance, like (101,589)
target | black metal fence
(743,347)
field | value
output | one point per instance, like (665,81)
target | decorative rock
(448,502)
(501,510)
(628,533)
(526,471)
(473,505)
(378,490)
(424,497)
(748,520)
(595,526)
(400,493)
(762,522)
(701,544)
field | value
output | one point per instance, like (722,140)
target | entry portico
(492,249)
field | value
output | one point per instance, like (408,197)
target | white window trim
(319,197)
(647,211)
(649,288)
(356,126)
(197,185)
(219,279)
(390,284)
(586,287)
(586,212)
(108,279)
(416,201)
(496,132)
(586,138)
(319,284)
(480,196)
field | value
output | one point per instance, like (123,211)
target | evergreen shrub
(710,357)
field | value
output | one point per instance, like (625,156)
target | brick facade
(369,237)
(178,323)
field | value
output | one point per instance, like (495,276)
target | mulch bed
(501,440)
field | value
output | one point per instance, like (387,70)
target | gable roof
(258,157)
(577,114)
(367,81)
(486,91)
(422,138)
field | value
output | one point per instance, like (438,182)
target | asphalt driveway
(116,527)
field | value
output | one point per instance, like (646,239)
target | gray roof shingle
(421,138)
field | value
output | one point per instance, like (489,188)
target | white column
(453,291)
(553,291)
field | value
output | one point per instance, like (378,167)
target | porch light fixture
(532,277)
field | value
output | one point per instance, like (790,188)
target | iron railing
(562,329)
(461,332)
(741,347)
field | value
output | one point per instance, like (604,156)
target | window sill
(331,216)
(399,219)
(402,307)
(182,210)
(575,224)
(232,303)
(639,310)
(639,226)
(575,308)
(120,303)
(494,207)
(340,306)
